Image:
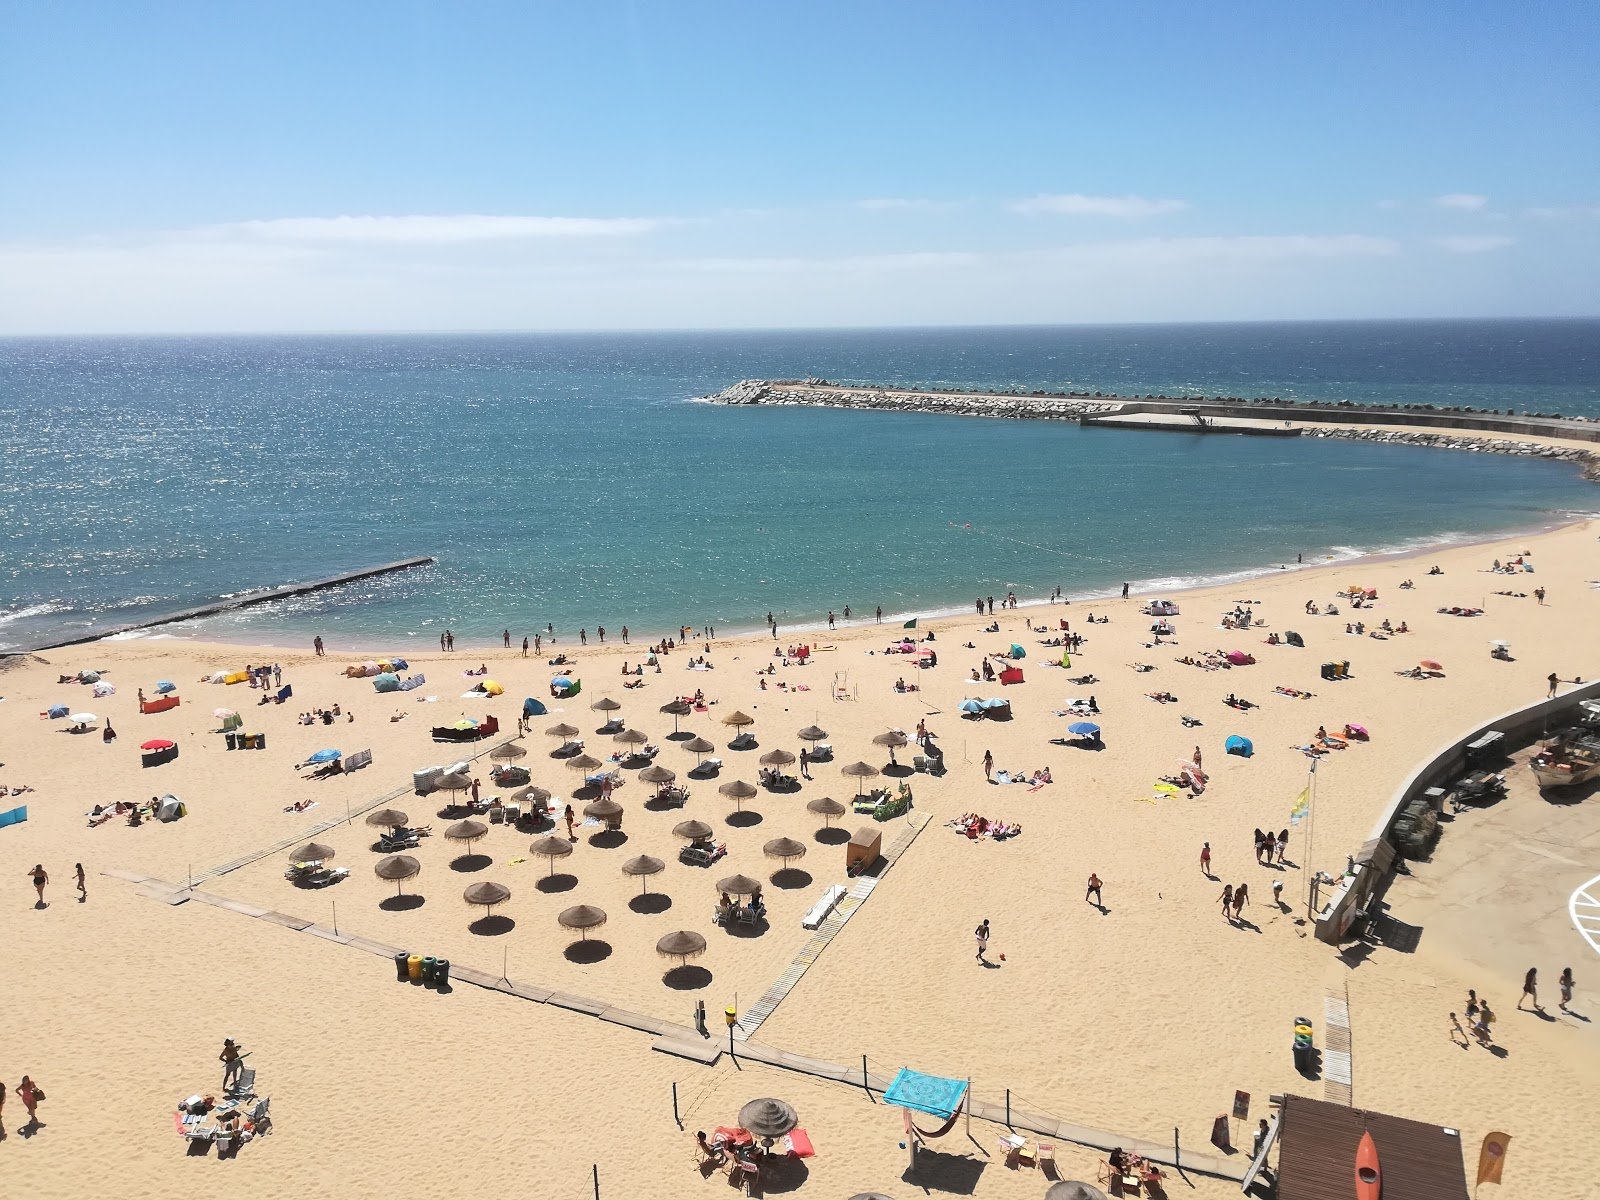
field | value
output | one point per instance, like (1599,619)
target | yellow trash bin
(414,967)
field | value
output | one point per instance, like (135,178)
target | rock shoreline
(1074,406)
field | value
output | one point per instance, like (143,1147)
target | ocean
(569,479)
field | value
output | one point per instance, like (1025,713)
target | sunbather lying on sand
(1162,697)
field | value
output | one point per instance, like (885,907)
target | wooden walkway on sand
(247,600)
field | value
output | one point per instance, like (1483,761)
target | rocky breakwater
(1475,445)
(818,395)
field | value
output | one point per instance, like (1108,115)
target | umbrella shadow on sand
(790,878)
(470,862)
(559,882)
(403,903)
(780,1173)
(744,818)
(609,839)
(493,925)
(687,978)
(832,835)
(588,951)
(650,903)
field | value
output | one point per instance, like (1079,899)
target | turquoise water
(568,479)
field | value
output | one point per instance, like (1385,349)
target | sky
(231,167)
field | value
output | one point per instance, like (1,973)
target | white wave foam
(32,610)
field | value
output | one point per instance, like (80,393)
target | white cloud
(1473,245)
(435,230)
(1569,212)
(1466,201)
(1257,249)
(1073,204)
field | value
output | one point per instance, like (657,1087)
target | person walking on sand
(1530,987)
(524,647)
(988,765)
(1282,844)
(1458,1035)
(1205,860)
(1227,901)
(569,817)
(981,933)
(30,1094)
(316,644)
(1277,895)
(1196,758)
(40,877)
(1538,594)
(1565,983)
(805,763)
(1092,888)
(1260,838)
(1552,681)
(1480,1027)
(83,888)
(1241,897)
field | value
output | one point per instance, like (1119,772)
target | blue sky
(191,167)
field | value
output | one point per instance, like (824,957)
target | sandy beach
(1138,1016)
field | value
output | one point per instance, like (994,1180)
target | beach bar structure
(1318,1144)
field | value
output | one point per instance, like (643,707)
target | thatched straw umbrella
(813,733)
(1071,1189)
(657,774)
(486,895)
(827,808)
(552,847)
(738,719)
(643,866)
(587,762)
(466,832)
(860,771)
(604,809)
(563,731)
(452,783)
(531,795)
(509,752)
(698,747)
(693,831)
(310,852)
(610,707)
(682,944)
(632,737)
(397,867)
(784,848)
(768,1118)
(739,885)
(582,917)
(676,709)
(777,758)
(387,818)
(738,791)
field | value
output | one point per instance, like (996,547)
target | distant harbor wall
(247,600)
(1459,429)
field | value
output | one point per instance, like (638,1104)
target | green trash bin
(428,962)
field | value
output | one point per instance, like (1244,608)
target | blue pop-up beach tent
(533,708)
(1238,745)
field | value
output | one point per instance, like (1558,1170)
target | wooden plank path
(751,1019)
(248,599)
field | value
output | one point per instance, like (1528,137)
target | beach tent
(217,677)
(104,689)
(171,808)
(163,686)
(1240,659)
(412,682)
(912,1091)
(491,688)
(533,708)
(1017,651)
(88,676)
(1238,745)
(1294,639)
(1161,608)
(386,682)
(56,711)
(236,677)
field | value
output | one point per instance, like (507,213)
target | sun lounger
(244,1084)
(818,912)
(822,752)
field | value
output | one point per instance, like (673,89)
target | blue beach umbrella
(163,686)
(1084,729)
(57,711)
(326,756)
(967,706)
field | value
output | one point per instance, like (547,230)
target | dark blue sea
(570,479)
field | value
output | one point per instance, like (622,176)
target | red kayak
(1369,1176)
